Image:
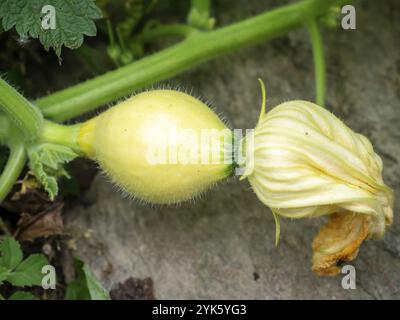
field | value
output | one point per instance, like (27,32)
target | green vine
(24,114)
(13,168)
(4,128)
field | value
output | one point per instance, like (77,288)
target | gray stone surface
(222,245)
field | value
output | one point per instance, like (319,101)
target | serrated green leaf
(47,163)
(22,295)
(4,272)
(48,182)
(52,155)
(85,286)
(10,253)
(29,272)
(74,19)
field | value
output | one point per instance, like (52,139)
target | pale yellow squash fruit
(134,143)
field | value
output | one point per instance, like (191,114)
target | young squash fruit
(155,146)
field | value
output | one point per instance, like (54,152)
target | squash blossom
(308,163)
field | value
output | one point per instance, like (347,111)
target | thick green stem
(319,62)
(61,134)
(198,48)
(13,168)
(51,133)
(4,129)
(26,117)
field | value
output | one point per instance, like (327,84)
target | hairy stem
(66,135)
(319,62)
(196,49)
(13,168)
(4,128)
(26,117)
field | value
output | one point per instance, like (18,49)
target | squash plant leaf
(55,23)
(22,295)
(29,272)
(85,286)
(3,274)
(16,271)
(10,254)
(47,163)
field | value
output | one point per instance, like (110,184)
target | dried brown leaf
(28,197)
(44,224)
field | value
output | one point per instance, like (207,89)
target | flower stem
(319,62)
(196,49)
(25,116)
